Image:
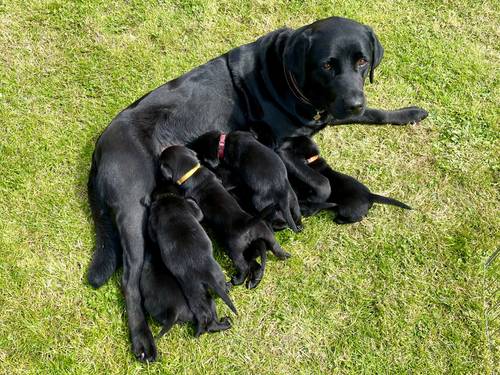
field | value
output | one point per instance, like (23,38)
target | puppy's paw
(411,115)
(222,325)
(143,345)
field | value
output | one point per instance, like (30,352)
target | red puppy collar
(222,143)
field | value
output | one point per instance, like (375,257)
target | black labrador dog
(163,298)
(242,236)
(186,251)
(313,177)
(296,81)
(257,167)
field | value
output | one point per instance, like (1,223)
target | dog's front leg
(371,116)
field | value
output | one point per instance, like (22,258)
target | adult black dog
(258,167)
(296,81)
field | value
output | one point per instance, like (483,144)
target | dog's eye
(327,66)
(361,62)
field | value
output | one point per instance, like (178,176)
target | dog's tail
(264,214)
(222,293)
(107,253)
(386,200)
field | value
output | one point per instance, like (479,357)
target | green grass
(401,292)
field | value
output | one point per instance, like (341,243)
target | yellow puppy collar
(188,174)
(312,158)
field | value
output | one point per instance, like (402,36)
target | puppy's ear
(296,49)
(377,52)
(195,210)
(205,149)
(166,171)
(264,134)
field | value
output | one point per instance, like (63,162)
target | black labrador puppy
(186,251)
(312,176)
(296,81)
(242,236)
(163,298)
(258,168)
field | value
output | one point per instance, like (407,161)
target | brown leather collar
(292,85)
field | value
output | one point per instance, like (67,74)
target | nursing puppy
(257,167)
(186,251)
(163,298)
(242,236)
(313,177)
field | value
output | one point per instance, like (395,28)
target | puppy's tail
(222,293)
(264,214)
(386,200)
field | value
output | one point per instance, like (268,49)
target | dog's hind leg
(167,324)
(257,270)
(242,268)
(216,325)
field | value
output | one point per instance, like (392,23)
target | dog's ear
(195,209)
(166,171)
(295,53)
(377,52)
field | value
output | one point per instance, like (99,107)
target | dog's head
(330,60)
(301,147)
(206,147)
(176,161)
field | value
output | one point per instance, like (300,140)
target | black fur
(246,85)
(258,168)
(240,234)
(186,251)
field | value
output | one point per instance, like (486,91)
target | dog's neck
(267,94)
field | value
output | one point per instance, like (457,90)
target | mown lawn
(401,292)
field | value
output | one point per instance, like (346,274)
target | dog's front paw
(410,115)
(143,345)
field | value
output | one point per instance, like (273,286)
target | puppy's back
(161,293)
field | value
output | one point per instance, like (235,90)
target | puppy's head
(301,147)
(206,147)
(330,60)
(176,161)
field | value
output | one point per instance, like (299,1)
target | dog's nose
(355,106)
